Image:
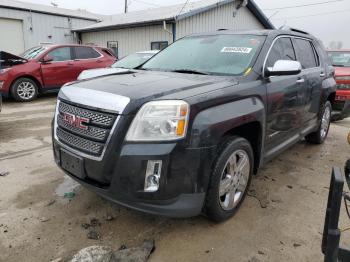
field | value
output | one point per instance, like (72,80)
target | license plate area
(72,164)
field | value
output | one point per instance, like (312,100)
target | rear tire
(230,179)
(24,90)
(319,136)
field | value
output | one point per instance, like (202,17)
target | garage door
(11,36)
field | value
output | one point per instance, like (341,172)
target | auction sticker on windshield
(233,49)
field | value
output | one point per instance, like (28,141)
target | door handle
(70,63)
(300,81)
(322,74)
(99,61)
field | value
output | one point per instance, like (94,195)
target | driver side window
(61,54)
(281,50)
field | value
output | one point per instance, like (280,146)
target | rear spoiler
(7,59)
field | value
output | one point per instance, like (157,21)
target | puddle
(67,186)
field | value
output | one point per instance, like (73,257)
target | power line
(304,16)
(305,5)
(183,7)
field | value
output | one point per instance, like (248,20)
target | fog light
(1,84)
(152,178)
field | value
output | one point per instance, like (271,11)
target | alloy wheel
(234,180)
(326,118)
(26,90)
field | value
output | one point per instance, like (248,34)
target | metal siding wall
(44,25)
(218,18)
(130,40)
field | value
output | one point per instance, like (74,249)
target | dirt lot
(40,222)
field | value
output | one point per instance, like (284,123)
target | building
(157,28)
(24,25)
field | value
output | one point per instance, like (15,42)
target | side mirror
(284,68)
(47,59)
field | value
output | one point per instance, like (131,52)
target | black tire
(24,90)
(320,135)
(213,204)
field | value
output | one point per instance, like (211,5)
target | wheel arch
(31,77)
(246,118)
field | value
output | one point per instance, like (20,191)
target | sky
(328,21)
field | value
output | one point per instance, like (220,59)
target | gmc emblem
(76,121)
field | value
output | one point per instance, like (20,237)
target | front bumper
(183,182)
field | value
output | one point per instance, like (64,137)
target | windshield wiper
(189,71)
(339,65)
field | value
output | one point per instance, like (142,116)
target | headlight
(4,70)
(342,78)
(159,121)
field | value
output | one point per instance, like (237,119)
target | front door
(284,108)
(60,70)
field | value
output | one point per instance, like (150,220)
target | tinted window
(210,54)
(85,53)
(61,54)
(281,50)
(305,53)
(340,58)
(159,45)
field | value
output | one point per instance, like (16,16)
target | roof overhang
(252,6)
(49,13)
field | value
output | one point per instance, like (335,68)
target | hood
(91,73)
(139,87)
(7,59)
(342,71)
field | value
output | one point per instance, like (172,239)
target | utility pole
(126,6)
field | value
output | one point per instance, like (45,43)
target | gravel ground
(44,215)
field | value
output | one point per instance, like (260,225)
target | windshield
(34,52)
(132,61)
(213,54)
(340,58)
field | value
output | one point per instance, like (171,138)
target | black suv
(185,132)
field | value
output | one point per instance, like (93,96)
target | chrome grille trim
(93,133)
(99,101)
(96,118)
(79,143)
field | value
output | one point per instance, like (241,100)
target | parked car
(185,133)
(341,61)
(129,62)
(47,67)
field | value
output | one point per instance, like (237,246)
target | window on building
(83,52)
(159,45)
(281,50)
(113,45)
(61,54)
(305,53)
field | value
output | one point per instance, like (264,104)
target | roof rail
(293,30)
(222,29)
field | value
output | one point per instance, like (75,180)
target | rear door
(284,108)
(88,58)
(313,74)
(60,70)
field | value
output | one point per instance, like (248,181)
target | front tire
(230,179)
(320,135)
(24,90)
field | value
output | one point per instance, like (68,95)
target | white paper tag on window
(234,49)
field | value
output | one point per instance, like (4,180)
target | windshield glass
(133,60)
(34,52)
(340,58)
(213,54)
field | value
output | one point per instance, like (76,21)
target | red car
(341,62)
(47,67)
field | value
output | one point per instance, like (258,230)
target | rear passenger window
(86,53)
(281,50)
(305,53)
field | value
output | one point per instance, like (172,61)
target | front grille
(90,140)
